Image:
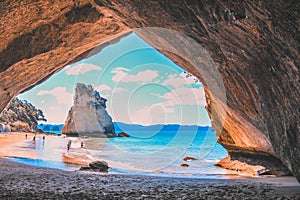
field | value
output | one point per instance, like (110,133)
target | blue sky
(142,87)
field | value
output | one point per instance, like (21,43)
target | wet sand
(15,144)
(20,181)
(9,142)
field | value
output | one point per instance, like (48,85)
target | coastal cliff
(88,115)
(20,116)
(254,44)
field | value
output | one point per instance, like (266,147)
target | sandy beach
(20,181)
(15,144)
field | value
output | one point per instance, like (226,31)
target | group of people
(34,138)
(69,145)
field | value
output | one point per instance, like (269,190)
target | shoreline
(14,145)
(27,182)
(18,147)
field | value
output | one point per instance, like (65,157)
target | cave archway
(109,71)
(233,33)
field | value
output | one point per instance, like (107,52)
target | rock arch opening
(174,100)
(262,104)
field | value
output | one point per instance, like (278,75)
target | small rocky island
(88,115)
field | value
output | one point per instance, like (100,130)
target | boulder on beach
(123,134)
(85,168)
(96,166)
(188,158)
(184,165)
(99,166)
(88,115)
(242,167)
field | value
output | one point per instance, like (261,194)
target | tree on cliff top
(22,115)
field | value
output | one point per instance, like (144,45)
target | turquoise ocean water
(156,150)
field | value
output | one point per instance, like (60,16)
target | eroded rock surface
(21,116)
(88,115)
(254,44)
(4,127)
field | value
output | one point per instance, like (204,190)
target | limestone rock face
(88,115)
(21,116)
(255,45)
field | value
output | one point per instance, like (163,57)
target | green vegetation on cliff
(22,115)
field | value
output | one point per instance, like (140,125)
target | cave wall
(254,44)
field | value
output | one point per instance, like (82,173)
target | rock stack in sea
(88,115)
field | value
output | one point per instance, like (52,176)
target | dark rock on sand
(241,167)
(184,165)
(99,166)
(110,135)
(188,158)
(85,168)
(123,134)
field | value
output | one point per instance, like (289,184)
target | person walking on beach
(81,144)
(33,139)
(43,138)
(69,145)
(26,136)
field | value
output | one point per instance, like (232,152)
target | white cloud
(184,96)
(119,90)
(147,115)
(141,116)
(60,93)
(102,87)
(121,75)
(82,69)
(118,69)
(165,111)
(166,108)
(179,80)
(183,93)
(104,90)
